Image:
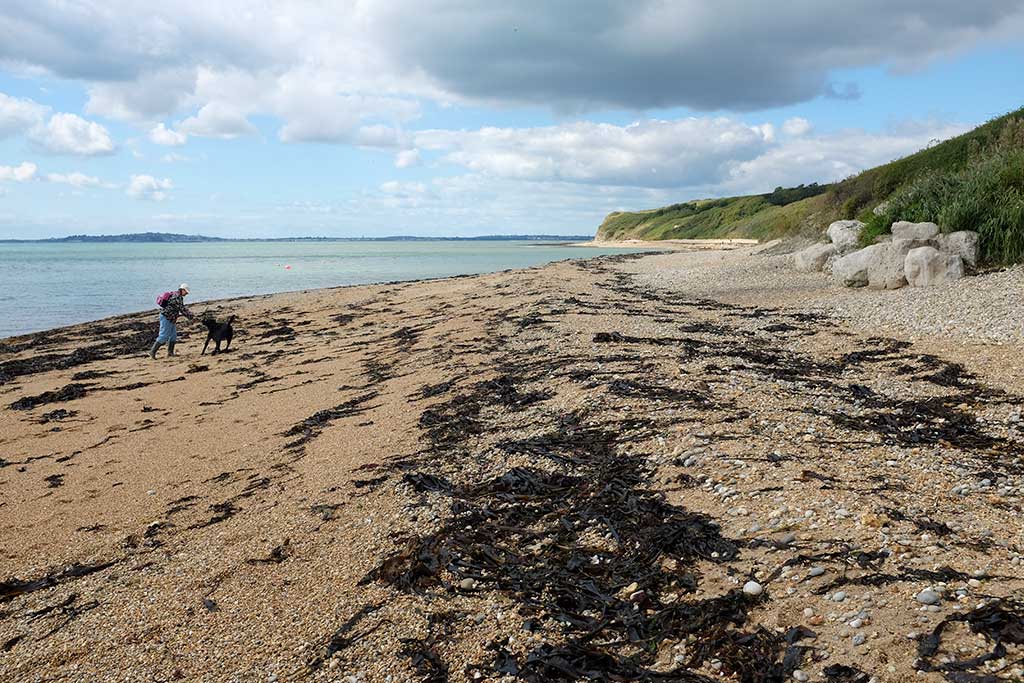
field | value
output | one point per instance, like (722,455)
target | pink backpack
(161,300)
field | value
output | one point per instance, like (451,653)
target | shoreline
(671,244)
(388,480)
(220,301)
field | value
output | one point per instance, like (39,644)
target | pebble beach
(687,466)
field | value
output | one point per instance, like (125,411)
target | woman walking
(172,305)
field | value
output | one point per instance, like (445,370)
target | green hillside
(974,181)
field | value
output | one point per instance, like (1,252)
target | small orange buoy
(287,267)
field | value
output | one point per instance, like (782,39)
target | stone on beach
(813,258)
(852,270)
(914,231)
(886,269)
(963,243)
(926,266)
(845,235)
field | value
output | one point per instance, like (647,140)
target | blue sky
(389,117)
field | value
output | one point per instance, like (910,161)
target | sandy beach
(687,467)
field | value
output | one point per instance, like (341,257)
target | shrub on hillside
(782,196)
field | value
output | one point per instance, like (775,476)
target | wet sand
(531,475)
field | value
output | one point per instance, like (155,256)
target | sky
(275,118)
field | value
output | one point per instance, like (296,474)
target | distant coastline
(168,237)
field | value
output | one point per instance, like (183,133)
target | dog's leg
(205,345)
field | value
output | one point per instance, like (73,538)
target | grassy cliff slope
(974,181)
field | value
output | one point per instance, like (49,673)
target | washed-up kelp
(1000,623)
(68,392)
(118,339)
(523,534)
(14,587)
(310,428)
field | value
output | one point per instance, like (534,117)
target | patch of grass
(986,196)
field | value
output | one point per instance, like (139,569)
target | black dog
(218,332)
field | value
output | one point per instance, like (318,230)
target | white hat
(183,287)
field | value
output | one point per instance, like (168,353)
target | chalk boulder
(813,258)
(886,268)
(914,231)
(852,270)
(927,266)
(845,235)
(963,243)
(830,263)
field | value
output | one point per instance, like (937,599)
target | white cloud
(694,157)
(651,153)
(162,135)
(71,134)
(796,126)
(77,179)
(23,172)
(217,120)
(18,115)
(145,62)
(158,94)
(407,158)
(149,188)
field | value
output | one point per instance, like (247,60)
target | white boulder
(813,258)
(914,231)
(886,269)
(829,263)
(963,243)
(926,266)
(845,235)
(852,270)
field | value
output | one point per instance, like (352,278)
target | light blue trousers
(168,331)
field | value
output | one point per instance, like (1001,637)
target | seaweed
(57,415)
(277,555)
(843,673)
(310,428)
(369,483)
(68,392)
(1000,623)
(422,652)
(15,587)
(222,512)
(68,608)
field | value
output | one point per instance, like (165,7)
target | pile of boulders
(916,254)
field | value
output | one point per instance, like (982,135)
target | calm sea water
(50,285)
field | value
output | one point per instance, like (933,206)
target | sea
(44,285)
